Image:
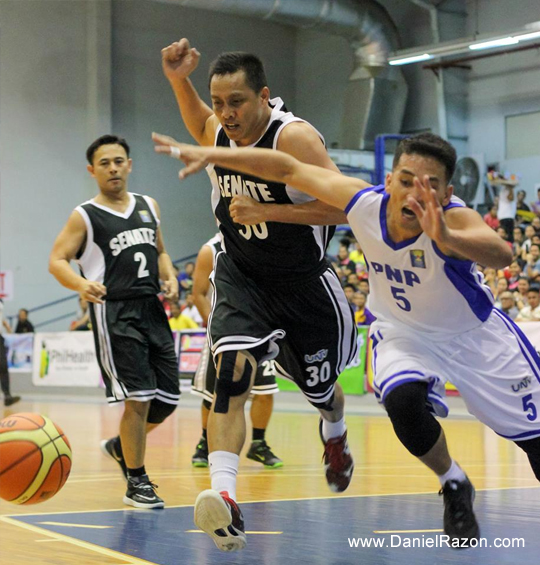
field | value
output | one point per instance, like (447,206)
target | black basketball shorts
(307,326)
(135,350)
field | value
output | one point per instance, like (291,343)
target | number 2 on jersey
(143,271)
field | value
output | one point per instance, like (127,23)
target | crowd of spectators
(350,266)
(516,288)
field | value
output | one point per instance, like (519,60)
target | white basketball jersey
(412,283)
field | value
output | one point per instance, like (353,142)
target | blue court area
(317,531)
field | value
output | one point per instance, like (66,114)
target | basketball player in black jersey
(117,241)
(274,290)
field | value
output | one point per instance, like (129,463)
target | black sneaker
(113,449)
(219,516)
(200,457)
(459,519)
(9,400)
(261,452)
(141,493)
(338,461)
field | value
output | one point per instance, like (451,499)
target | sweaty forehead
(420,165)
(228,84)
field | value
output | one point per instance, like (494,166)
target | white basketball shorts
(494,367)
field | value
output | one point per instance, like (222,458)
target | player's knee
(159,411)
(413,423)
(327,406)
(532,448)
(227,386)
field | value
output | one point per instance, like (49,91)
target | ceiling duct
(376,93)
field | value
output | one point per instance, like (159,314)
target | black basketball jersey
(120,249)
(268,252)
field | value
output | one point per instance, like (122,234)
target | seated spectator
(360,261)
(531,313)
(353,279)
(363,286)
(24,326)
(178,321)
(520,203)
(512,274)
(349,290)
(362,316)
(518,241)
(344,263)
(502,286)
(190,310)
(82,323)
(508,305)
(491,218)
(490,278)
(532,269)
(185,278)
(521,294)
(504,235)
(535,206)
(536,225)
(526,245)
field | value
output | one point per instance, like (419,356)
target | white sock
(333,429)
(455,473)
(223,471)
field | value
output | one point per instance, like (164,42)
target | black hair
(107,139)
(428,145)
(534,288)
(234,61)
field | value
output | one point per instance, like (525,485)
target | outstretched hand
(192,155)
(430,215)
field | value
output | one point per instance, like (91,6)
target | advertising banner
(191,345)
(65,359)
(20,352)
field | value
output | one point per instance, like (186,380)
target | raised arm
(201,281)
(178,61)
(68,243)
(329,186)
(165,266)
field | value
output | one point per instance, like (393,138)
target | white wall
(54,97)
(503,86)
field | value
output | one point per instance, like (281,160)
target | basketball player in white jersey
(116,240)
(267,279)
(435,317)
(204,380)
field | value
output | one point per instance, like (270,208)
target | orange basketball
(35,458)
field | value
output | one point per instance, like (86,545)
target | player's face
(242,112)
(111,168)
(400,185)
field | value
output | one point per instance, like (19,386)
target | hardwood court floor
(385,475)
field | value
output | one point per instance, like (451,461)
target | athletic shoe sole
(136,504)
(211,514)
(200,463)
(102,445)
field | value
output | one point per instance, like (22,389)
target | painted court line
(127,559)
